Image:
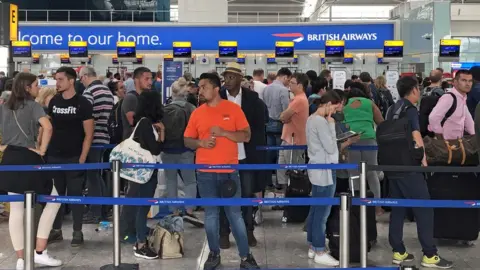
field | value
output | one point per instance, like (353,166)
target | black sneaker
(249,263)
(224,242)
(55,236)
(252,241)
(145,252)
(77,239)
(89,218)
(194,220)
(212,262)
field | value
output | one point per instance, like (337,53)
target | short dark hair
(359,85)
(330,96)
(248,77)
(109,74)
(348,84)
(149,106)
(475,73)
(405,85)
(258,72)
(212,78)
(325,73)
(440,69)
(365,77)
(138,72)
(354,77)
(312,75)
(319,84)
(69,72)
(284,72)
(302,79)
(462,71)
(341,94)
(357,92)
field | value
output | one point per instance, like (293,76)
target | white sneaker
(259,216)
(47,260)
(20,264)
(311,253)
(326,259)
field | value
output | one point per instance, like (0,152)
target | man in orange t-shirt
(295,123)
(214,129)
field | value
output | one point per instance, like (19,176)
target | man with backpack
(176,116)
(400,134)
(429,99)
(435,87)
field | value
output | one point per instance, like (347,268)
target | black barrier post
(29,204)
(117,261)
(345,204)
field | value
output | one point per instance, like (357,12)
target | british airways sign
(307,37)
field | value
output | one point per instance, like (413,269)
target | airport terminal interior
(388,39)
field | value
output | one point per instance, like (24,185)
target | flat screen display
(334,49)
(284,52)
(126,52)
(80,52)
(322,60)
(36,60)
(295,60)
(348,60)
(393,49)
(114,60)
(182,52)
(241,60)
(230,52)
(380,61)
(217,60)
(22,51)
(450,48)
(271,60)
(139,60)
(64,60)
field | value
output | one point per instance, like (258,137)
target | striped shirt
(102,100)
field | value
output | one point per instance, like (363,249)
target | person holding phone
(322,149)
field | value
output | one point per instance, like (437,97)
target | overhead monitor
(227,51)
(139,60)
(21,51)
(393,50)
(348,59)
(241,59)
(182,50)
(284,50)
(126,52)
(115,60)
(449,50)
(64,59)
(35,58)
(78,51)
(295,59)
(334,50)
(168,57)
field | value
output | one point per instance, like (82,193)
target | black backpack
(175,119)
(115,125)
(394,135)
(385,100)
(426,107)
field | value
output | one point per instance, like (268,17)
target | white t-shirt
(259,87)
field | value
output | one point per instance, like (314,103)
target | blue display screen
(450,50)
(230,52)
(182,52)
(65,60)
(217,60)
(22,51)
(380,61)
(78,52)
(348,60)
(36,60)
(271,61)
(126,52)
(241,60)
(334,51)
(139,60)
(322,60)
(115,60)
(393,51)
(286,52)
(295,60)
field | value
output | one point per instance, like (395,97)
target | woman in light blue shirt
(322,149)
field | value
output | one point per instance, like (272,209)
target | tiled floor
(280,246)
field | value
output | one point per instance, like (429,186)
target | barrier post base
(122,266)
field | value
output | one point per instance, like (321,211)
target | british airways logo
(297,37)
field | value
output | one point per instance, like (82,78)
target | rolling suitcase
(298,186)
(333,229)
(455,223)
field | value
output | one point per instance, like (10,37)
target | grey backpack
(175,119)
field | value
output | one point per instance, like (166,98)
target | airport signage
(307,37)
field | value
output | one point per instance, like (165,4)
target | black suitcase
(455,223)
(333,230)
(299,186)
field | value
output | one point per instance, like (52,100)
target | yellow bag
(167,245)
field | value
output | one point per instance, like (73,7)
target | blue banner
(310,37)
(172,70)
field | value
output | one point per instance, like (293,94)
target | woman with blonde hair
(384,95)
(45,95)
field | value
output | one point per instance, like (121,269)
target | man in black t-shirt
(73,125)
(412,185)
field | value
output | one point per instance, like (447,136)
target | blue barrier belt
(11,198)
(182,201)
(417,203)
(257,167)
(304,147)
(54,167)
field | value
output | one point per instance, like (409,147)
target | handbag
(462,151)
(130,151)
(168,245)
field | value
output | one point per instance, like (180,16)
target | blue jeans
(209,186)
(318,215)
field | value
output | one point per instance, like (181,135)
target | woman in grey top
(322,149)
(20,119)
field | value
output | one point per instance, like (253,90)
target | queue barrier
(344,201)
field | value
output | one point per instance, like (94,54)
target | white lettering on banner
(349,36)
(91,39)
(69,110)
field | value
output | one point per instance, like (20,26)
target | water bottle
(104,226)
